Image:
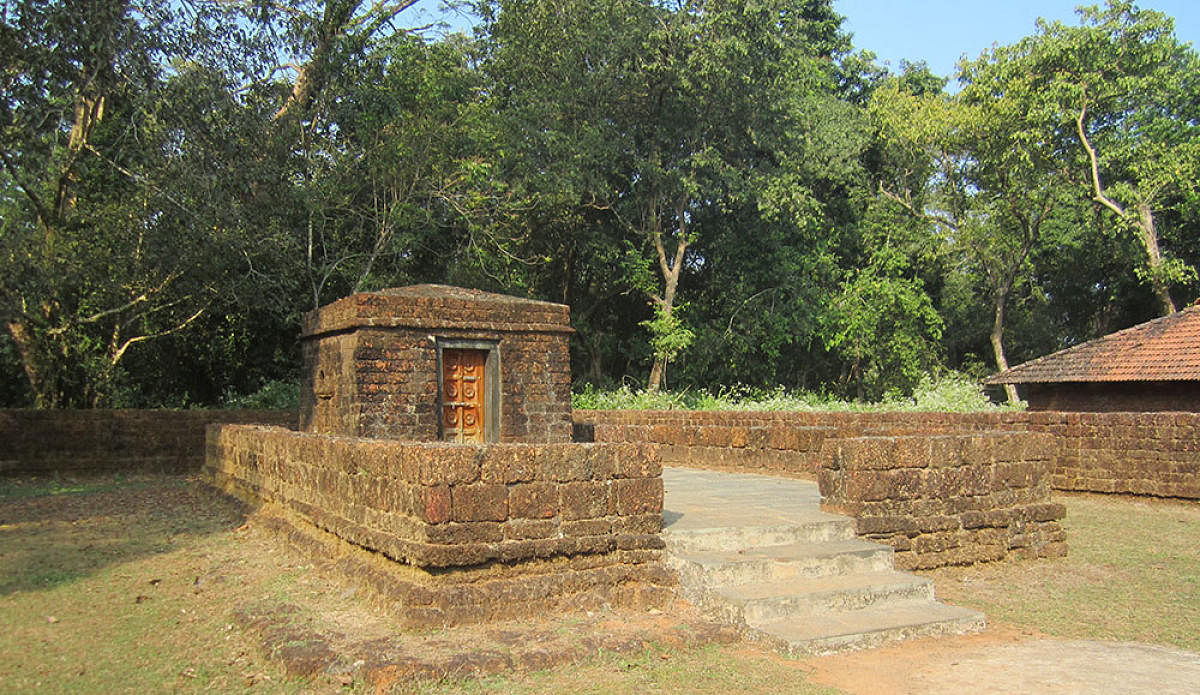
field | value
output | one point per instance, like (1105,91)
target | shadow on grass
(55,531)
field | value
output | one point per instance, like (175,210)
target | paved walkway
(992,662)
(696,499)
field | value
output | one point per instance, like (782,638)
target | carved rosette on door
(463,389)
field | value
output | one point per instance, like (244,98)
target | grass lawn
(1132,574)
(129,585)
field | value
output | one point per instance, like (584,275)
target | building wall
(383,383)
(371,370)
(1131,453)
(51,442)
(947,499)
(1117,397)
(1138,453)
(525,527)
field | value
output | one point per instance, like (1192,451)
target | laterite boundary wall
(1134,453)
(526,528)
(72,442)
(947,499)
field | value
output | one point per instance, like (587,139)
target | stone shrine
(432,362)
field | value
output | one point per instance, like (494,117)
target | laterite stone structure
(431,362)
(435,463)
(445,534)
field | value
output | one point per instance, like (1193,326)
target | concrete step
(757,552)
(819,527)
(768,601)
(864,629)
(780,562)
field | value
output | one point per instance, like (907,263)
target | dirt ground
(1003,659)
(173,547)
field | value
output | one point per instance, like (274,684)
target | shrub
(274,395)
(948,392)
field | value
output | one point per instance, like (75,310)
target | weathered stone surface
(973,498)
(1136,453)
(479,502)
(576,543)
(371,370)
(538,500)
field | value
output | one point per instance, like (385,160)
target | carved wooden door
(462,395)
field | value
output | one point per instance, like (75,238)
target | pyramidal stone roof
(437,307)
(1165,349)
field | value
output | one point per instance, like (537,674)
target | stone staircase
(757,552)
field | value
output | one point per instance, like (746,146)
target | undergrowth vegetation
(949,392)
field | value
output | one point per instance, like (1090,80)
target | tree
(102,233)
(1119,93)
(883,322)
(657,117)
(983,183)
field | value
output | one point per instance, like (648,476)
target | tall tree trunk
(27,350)
(1149,237)
(1144,221)
(654,383)
(670,269)
(997,338)
(659,368)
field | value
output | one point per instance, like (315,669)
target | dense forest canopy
(724,192)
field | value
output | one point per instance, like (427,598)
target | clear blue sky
(941,31)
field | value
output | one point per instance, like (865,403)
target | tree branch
(1094,161)
(120,352)
(42,212)
(912,209)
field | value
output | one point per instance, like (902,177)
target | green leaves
(668,335)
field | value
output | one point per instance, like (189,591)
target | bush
(274,395)
(948,392)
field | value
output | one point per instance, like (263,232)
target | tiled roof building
(1149,367)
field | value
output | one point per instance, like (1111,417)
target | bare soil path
(1004,659)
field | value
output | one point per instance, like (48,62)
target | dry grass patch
(1132,574)
(130,585)
(712,670)
(126,585)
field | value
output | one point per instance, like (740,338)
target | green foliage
(944,392)
(885,326)
(1114,99)
(668,334)
(727,186)
(114,213)
(274,395)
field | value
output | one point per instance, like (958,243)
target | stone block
(434,504)
(638,524)
(567,465)
(461,534)
(587,527)
(529,529)
(534,500)
(515,464)
(638,496)
(936,542)
(584,500)
(871,525)
(910,452)
(479,502)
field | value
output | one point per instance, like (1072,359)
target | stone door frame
(491,376)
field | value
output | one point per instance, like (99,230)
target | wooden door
(462,395)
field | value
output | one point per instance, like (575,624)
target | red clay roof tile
(1165,349)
